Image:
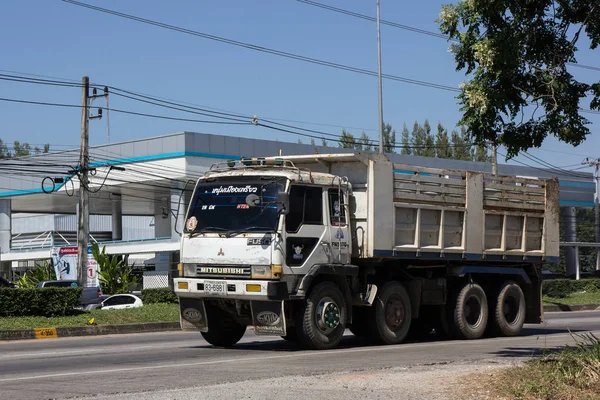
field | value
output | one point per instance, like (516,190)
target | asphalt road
(180,365)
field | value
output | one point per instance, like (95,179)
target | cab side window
(306,207)
(337,210)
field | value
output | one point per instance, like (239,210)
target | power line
(552,166)
(408,28)
(124,112)
(263,49)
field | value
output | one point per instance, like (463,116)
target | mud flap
(192,315)
(268,318)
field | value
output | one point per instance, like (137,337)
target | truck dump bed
(415,212)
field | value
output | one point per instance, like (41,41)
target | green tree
(405,141)
(418,139)
(459,149)
(429,150)
(365,143)
(300,141)
(312,142)
(389,139)
(347,140)
(516,54)
(442,143)
(21,150)
(323,142)
(4,152)
(47,148)
(481,154)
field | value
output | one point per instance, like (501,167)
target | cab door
(338,225)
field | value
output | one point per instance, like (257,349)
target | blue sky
(53,38)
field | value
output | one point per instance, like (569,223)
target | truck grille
(224,271)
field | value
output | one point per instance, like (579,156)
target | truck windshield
(223,207)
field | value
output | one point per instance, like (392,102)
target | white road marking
(316,353)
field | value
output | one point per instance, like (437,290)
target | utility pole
(379,78)
(494,160)
(83,211)
(595,163)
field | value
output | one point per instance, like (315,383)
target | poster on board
(64,260)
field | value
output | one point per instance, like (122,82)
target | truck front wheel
(223,329)
(470,312)
(391,314)
(322,319)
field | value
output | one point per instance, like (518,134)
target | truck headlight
(261,272)
(189,269)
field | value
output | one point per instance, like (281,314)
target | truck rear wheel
(322,320)
(391,314)
(223,329)
(470,313)
(509,310)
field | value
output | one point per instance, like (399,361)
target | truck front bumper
(194,288)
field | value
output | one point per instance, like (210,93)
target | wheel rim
(510,309)
(327,315)
(472,311)
(394,313)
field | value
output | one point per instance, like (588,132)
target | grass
(146,313)
(570,373)
(574,298)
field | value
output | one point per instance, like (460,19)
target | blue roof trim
(576,203)
(405,172)
(164,156)
(577,184)
(126,160)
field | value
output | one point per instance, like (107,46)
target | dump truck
(308,246)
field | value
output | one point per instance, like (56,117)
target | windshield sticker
(211,207)
(243,206)
(192,223)
(234,189)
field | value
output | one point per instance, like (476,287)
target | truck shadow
(350,341)
(526,352)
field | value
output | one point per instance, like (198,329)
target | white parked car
(119,301)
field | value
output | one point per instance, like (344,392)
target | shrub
(115,277)
(161,295)
(44,302)
(560,288)
(42,272)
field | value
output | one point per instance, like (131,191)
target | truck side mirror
(283,206)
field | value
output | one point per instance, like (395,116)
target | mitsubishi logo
(220,253)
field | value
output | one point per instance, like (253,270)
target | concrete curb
(576,307)
(91,330)
(95,330)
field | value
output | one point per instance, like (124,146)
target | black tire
(509,310)
(392,314)
(223,330)
(470,314)
(322,319)
(360,321)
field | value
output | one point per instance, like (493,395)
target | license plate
(215,287)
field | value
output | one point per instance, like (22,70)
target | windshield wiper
(248,229)
(206,229)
